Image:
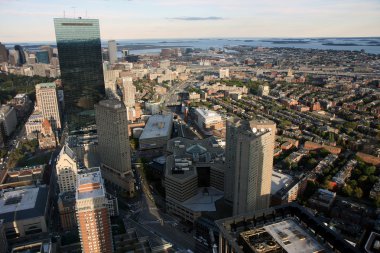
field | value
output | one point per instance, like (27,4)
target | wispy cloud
(197,18)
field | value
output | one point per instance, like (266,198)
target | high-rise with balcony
(249,164)
(80,60)
(47,102)
(92,213)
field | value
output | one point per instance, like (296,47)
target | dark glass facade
(21,55)
(80,60)
(42,57)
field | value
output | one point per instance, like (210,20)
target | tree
(369,170)
(347,190)
(358,193)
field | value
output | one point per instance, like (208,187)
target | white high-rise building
(67,170)
(224,73)
(8,119)
(112,51)
(129,92)
(47,102)
(249,164)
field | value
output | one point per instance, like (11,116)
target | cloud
(197,18)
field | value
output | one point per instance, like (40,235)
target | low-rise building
(343,174)
(157,132)
(288,228)
(322,199)
(24,210)
(34,124)
(46,138)
(208,120)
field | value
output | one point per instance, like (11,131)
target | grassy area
(35,160)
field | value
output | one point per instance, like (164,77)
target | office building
(112,51)
(112,126)
(113,145)
(22,104)
(21,176)
(92,213)
(80,60)
(194,177)
(289,228)
(24,210)
(21,60)
(42,56)
(224,73)
(249,164)
(157,131)
(47,102)
(8,119)
(129,92)
(263,90)
(3,53)
(50,50)
(34,124)
(208,120)
(67,169)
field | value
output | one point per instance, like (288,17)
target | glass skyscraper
(80,60)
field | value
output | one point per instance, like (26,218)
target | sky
(32,20)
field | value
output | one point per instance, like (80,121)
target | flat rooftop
(23,203)
(204,200)
(90,185)
(157,126)
(46,85)
(279,181)
(293,238)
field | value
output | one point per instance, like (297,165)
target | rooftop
(23,203)
(279,181)
(157,126)
(204,200)
(90,185)
(46,85)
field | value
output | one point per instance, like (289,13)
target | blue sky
(32,20)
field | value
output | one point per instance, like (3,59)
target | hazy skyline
(31,20)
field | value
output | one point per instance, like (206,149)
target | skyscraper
(21,55)
(249,164)
(92,213)
(47,102)
(112,125)
(3,53)
(80,59)
(112,51)
(67,170)
(129,92)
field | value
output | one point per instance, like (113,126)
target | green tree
(369,170)
(358,193)
(347,190)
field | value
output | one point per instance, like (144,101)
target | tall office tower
(249,164)
(3,53)
(112,126)
(43,56)
(21,55)
(92,213)
(80,59)
(129,92)
(112,51)
(49,49)
(48,104)
(67,170)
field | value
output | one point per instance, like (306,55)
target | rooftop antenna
(74,11)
